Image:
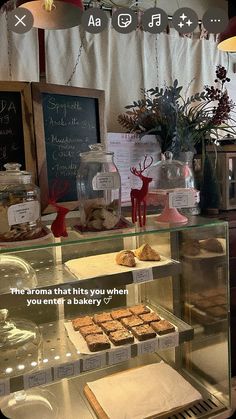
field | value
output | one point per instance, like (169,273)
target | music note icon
(155,20)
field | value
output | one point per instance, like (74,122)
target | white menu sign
(129,150)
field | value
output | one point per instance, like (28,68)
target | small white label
(94,362)
(168,341)
(184,199)
(119,355)
(37,379)
(23,213)
(148,346)
(142,275)
(104,181)
(4,387)
(69,369)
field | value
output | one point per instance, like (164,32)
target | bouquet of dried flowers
(180,121)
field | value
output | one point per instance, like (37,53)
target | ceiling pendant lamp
(227,39)
(55,14)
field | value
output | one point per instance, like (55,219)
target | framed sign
(67,120)
(16,125)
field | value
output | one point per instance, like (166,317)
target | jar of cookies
(19,205)
(99,190)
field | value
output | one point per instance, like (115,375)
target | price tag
(94,362)
(142,275)
(37,379)
(4,387)
(149,346)
(23,213)
(106,181)
(184,199)
(69,369)
(119,355)
(169,341)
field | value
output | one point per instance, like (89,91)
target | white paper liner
(143,392)
(100,265)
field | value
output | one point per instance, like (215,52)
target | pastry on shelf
(125,258)
(146,252)
(81,322)
(212,245)
(131,321)
(121,337)
(102,318)
(143,332)
(97,342)
(112,326)
(150,317)
(191,248)
(90,330)
(139,309)
(163,327)
(119,314)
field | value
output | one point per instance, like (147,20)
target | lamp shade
(227,39)
(63,14)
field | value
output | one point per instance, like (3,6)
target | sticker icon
(215,20)
(185,20)
(124,20)
(154,20)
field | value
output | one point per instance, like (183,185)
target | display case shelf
(58,357)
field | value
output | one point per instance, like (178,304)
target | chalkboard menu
(67,120)
(16,135)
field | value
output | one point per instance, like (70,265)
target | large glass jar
(99,190)
(19,205)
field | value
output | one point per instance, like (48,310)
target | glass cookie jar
(99,190)
(19,205)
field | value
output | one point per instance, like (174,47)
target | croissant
(212,245)
(146,252)
(125,258)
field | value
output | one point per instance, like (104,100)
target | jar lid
(13,174)
(96,153)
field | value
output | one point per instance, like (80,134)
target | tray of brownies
(119,327)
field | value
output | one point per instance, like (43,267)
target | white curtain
(18,54)
(122,64)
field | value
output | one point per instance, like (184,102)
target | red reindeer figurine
(138,196)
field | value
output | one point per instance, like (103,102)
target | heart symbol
(106,300)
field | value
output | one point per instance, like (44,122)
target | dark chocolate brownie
(121,337)
(119,314)
(97,342)
(102,318)
(150,317)
(143,332)
(90,330)
(163,327)
(81,322)
(131,321)
(139,309)
(112,326)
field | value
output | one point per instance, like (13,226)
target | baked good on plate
(139,309)
(81,321)
(150,317)
(146,252)
(143,332)
(94,329)
(191,248)
(163,327)
(119,314)
(121,337)
(111,326)
(97,342)
(131,321)
(125,258)
(102,318)
(212,245)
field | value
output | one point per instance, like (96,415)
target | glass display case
(180,300)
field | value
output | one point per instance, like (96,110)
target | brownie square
(119,314)
(90,330)
(203,304)
(97,342)
(112,326)
(81,321)
(121,337)
(217,311)
(102,318)
(219,300)
(150,317)
(163,327)
(143,332)
(139,309)
(131,321)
